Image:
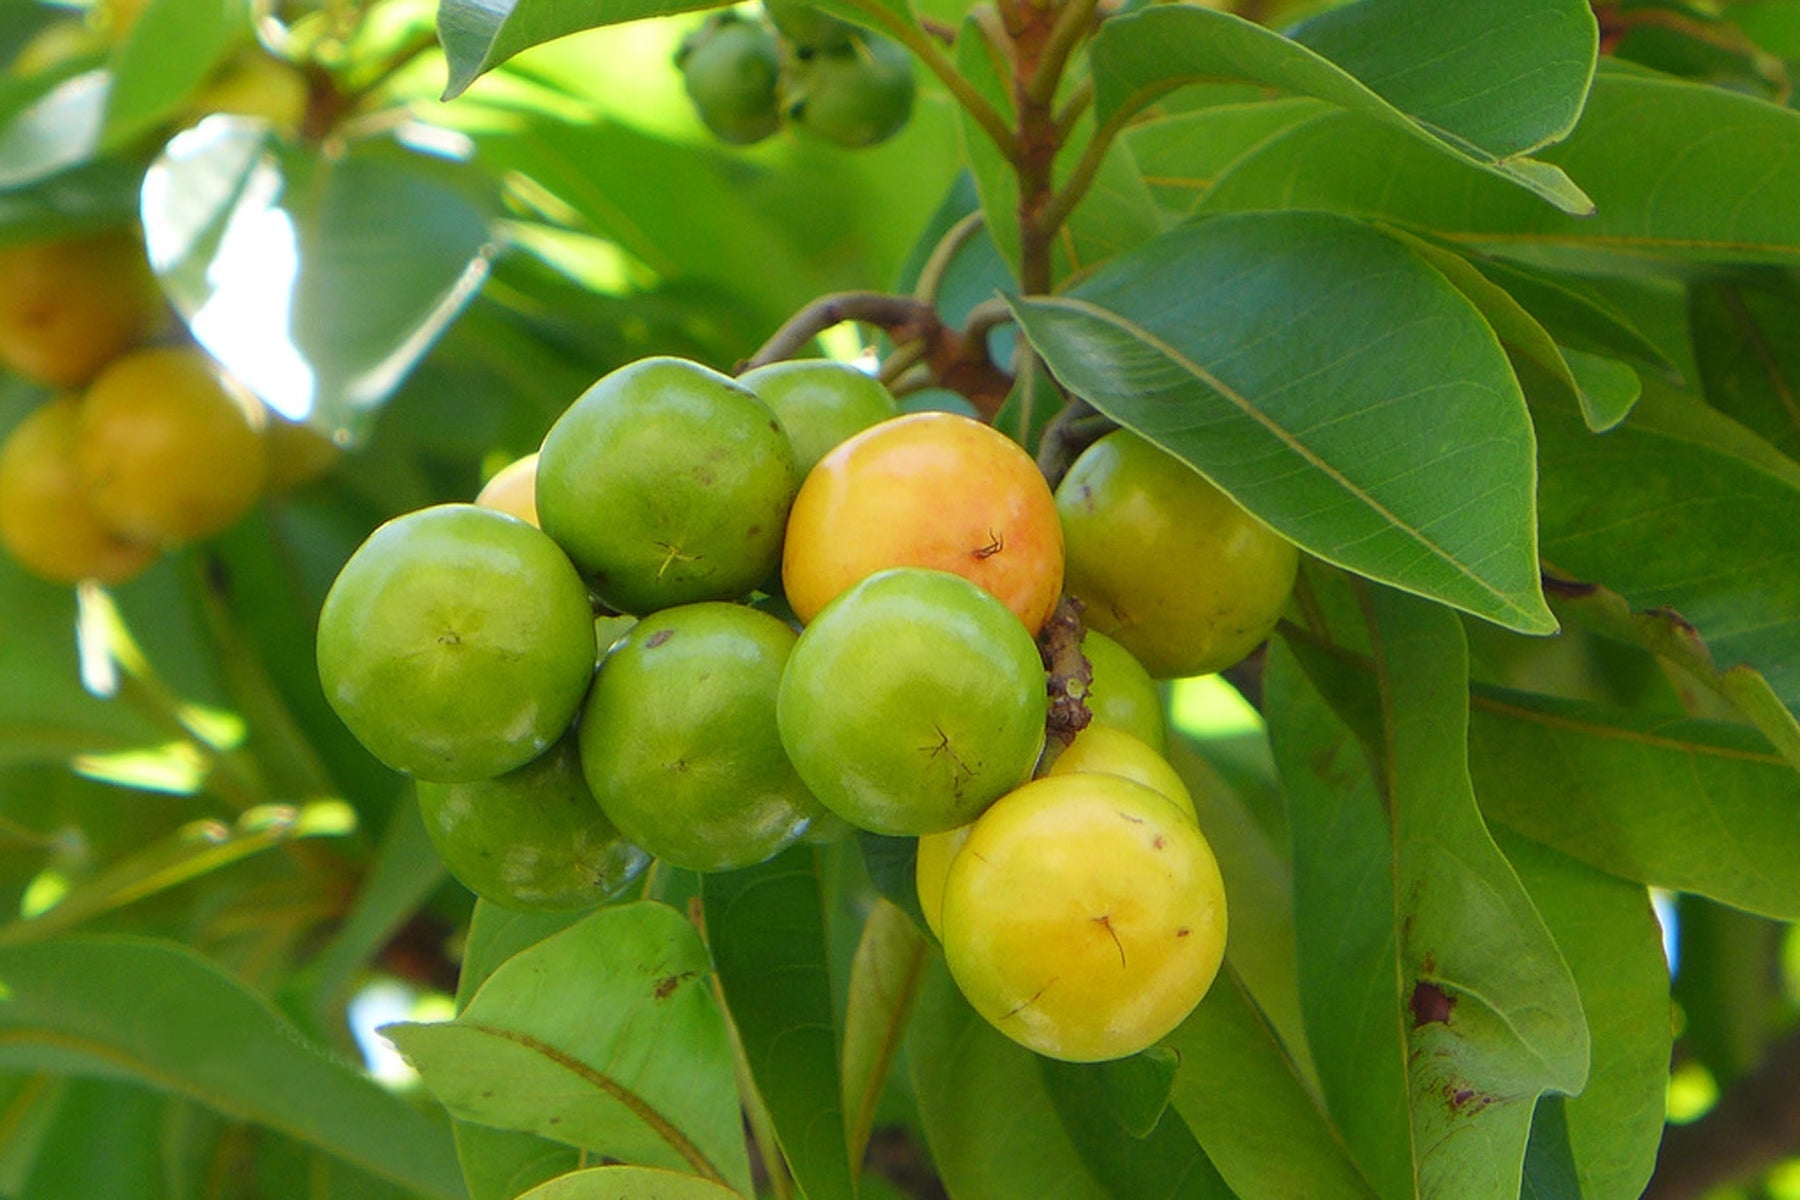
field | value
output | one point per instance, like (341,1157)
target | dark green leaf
(1747,340)
(766,927)
(1609,389)
(1549,1163)
(1655,187)
(1254,1116)
(892,864)
(1181,156)
(1388,435)
(1612,941)
(1162,1163)
(1509,76)
(1579,319)
(1680,508)
(99,194)
(1454,115)
(186,1027)
(573,1040)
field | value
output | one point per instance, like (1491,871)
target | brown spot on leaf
(668,983)
(1430,1004)
(1569,587)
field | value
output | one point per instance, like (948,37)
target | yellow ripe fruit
(70,306)
(169,449)
(1085,917)
(256,84)
(1109,751)
(513,489)
(46,522)
(931,867)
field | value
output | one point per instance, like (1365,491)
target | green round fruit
(809,29)
(456,644)
(1122,694)
(667,483)
(678,739)
(730,68)
(821,403)
(1165,563)
(855,95)
(912,702)
(533,839)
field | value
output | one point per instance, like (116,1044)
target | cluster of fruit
(815,614)
(827,78)
(143,446)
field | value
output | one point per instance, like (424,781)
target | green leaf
(185,1027)
(1609,389)
(1612,942)
(96,195)
(1388,436)
(1438,1003)
(885,977)
(59,129)
(1664,634)
(1509,76)
(1580,320)
(628,1183)
(1680,508)
(320,301)
(1259,895)
(171,49)
(1698,806)
(995,181)
(104,1139)
(1254,1116)
(574,1040)
(1655,188)
(1181,156)
(766,927)
(991,1125)
(498,1164)
(1450,74)
(478,35)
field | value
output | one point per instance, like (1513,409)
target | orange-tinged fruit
(1165,563)
(69,306)
(46,522)
(1085,917)
(513,489)
(170,450)
(930,489)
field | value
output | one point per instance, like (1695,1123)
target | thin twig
(1072,24)
(889,312)
(931,275)
(1080,99)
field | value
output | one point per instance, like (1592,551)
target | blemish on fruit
(1184,931)
(1104,920)
(1035,996)
(995,544)
(1125,816)
(1430,1004)
(1158,842)
(658,638)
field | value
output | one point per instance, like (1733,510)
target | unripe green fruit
(532,839)
(730,68)
(679,743)
(667,483)
(912,702)
(855,95)
(1122,693)
(808,28)
(456,643)
(821,403)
